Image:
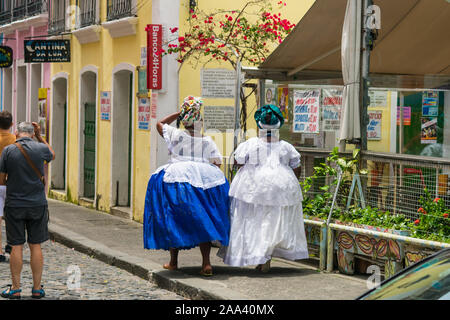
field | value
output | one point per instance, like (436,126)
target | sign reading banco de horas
(47,50)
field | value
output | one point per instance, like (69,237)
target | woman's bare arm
(167,120)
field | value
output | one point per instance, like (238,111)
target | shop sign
(218,83)
(154,58)
(218,117)
(47,51)
(105,105)
(331,110)
(6,57)
(144,114)
(306,111)
(374,126)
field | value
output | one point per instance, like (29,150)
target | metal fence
(394,182)
(57,17)
(117,9)
(14,10)
(88,12)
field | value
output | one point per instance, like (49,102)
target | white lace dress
(266,205)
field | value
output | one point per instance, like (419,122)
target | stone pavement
(71,275)
(118,242)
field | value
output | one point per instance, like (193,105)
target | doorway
(88,134)
(59,134)
(21,94)
(121,138)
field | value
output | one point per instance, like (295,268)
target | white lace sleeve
(169,135)
(241,153)
(214,153)
(294,157)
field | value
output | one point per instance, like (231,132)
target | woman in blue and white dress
(187,202)
(266,199)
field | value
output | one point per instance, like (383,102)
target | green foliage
(433,222)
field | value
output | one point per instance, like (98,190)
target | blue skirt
(178,215)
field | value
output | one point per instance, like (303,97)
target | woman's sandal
(264,268)
(38,294)
(206,273)
(11,294)
(169,267)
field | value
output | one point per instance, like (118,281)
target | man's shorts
(33,220)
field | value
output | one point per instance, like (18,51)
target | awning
(412,49)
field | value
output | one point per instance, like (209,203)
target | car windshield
(427,281)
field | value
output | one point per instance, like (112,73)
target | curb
(175,281)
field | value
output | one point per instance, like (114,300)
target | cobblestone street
(97,279)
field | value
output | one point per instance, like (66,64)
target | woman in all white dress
(266,199)
(187,202)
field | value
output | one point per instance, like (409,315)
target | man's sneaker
(2,258)
(8,249)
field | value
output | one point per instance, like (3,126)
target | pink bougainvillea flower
(421,210)
(436,199)
(417,222)
(445,215)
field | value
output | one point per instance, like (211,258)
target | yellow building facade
(103,157)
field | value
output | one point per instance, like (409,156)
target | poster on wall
(406,116)
(331,109)
(430,103)
(283,102)
(218,83)
(428,130)
(306,111)
(374,126)
(144,114)
(269,96)
(153,104)
(42,117)
(218,117)
(378,98)
(6,57)
(105,105)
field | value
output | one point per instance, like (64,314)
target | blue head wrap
(269,115)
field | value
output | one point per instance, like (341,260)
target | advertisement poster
(6,57)
(105,105)
(430,103)
(306,111)
(406,116)
(429,133)
(374,126)
(144,114)
(283,102)
(270,96)
(378,98)
(331,109)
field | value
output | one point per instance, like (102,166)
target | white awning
(412,49)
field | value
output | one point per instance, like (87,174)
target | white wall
(165,12)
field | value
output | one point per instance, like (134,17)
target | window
(57,16)
(120,9)
(88,12)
